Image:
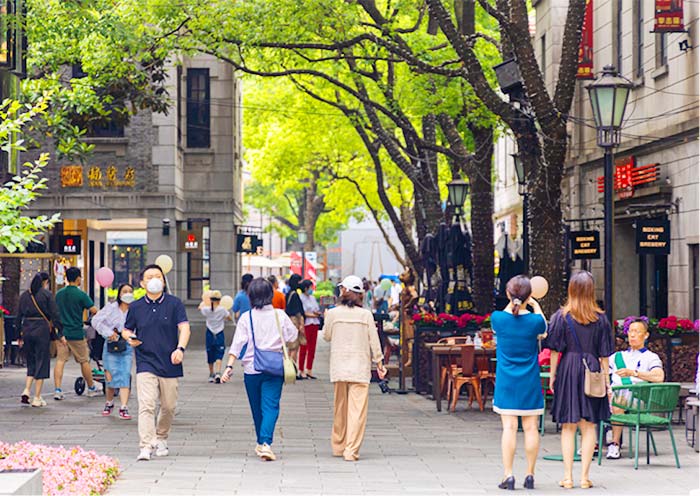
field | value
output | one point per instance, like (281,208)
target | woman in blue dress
(518,387)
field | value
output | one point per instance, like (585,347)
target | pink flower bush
(65,471)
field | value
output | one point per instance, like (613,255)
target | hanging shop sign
(69,245)
(248,243)
(585,245)
(653,237)
(72,177)
(585,49)
(668,16)
(628,177)
(190,240)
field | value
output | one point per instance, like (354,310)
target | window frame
(198,129)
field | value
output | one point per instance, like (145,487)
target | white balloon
(226,302)
(165,263)
(540,287)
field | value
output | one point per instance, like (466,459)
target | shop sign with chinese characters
(72,177)
(627,176)
(190,240)
(69,245)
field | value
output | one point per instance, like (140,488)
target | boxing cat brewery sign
(653,237)
(585,245)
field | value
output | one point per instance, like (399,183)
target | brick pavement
(409,447)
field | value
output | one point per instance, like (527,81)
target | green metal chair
(647,406)
(545,376)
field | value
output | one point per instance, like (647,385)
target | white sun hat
(352,283)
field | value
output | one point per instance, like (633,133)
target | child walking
(216,316)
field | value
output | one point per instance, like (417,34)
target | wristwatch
(229,366)
(636,373)
(182,349)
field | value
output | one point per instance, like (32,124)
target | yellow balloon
(227,302)
(165,263)
(540,287)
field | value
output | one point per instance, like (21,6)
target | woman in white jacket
(354,346)
(109,322)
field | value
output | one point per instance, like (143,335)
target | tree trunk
(10,287)
(548,260)
(481,196)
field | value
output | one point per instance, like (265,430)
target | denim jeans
(264,392)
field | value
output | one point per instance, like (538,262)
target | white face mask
(128,298)
(154,286)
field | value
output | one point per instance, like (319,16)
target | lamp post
(608,95)
(522,191)
(457,192)
(301,237)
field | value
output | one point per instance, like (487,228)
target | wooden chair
(486,375)
(446,369)
(466,376)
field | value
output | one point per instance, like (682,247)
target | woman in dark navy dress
(578,330)
(518,388)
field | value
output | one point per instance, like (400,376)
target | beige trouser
(150,388)
(349,418)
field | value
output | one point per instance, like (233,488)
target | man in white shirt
(634,365)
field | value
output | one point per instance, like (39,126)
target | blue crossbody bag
(266,362)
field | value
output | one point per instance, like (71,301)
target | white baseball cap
(352,283)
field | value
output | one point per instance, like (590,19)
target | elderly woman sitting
(636,364)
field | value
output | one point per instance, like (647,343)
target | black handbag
(118,346)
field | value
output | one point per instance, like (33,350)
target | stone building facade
(661,130)
(172,181)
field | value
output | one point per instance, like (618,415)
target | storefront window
(198,261)
(127,262)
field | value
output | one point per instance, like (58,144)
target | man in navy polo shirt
(157,327)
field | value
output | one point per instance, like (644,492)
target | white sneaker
(58,395)
(211,378)
(258,447)
(161,448)
(91,393)
(144,454)
(613,451)
(266,453)
(38,401)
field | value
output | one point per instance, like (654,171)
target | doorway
(653,285)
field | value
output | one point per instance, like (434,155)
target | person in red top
(278,299)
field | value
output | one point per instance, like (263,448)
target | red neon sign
(627,176)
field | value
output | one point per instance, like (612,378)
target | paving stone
(409,447)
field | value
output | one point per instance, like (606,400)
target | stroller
(96,344)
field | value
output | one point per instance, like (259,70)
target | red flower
(686,324)
(4,310)
(417,317)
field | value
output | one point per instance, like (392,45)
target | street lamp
(608,95)
(457,192)
(301,237)
(522,190)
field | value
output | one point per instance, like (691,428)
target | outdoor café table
(440,352)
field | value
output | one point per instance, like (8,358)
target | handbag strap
(39,309)
(279,329)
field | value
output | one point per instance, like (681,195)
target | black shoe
(529,482)
(508,483)
(309,376)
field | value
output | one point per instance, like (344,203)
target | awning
(258,261)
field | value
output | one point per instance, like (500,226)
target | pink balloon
(104,276)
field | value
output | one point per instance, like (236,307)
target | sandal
(586,484)
(566,484)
